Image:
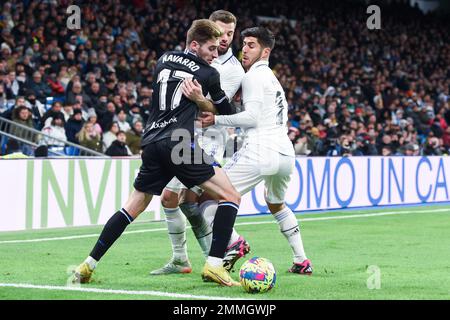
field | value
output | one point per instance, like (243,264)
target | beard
(252,62)
(222,51)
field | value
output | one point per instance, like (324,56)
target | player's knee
(187,196)
(166,202)
(275,207)
(169,199)
(137,203)
(233,196)
(205,197)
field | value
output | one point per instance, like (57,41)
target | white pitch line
(365,215)
(113,291)
(337,217)
(92,235)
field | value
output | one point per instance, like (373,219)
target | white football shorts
(253,164)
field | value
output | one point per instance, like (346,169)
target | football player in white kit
(177,207)
(267,154)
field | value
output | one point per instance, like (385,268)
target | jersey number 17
(166,76)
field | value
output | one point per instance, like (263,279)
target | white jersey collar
(259,63)
(225,57)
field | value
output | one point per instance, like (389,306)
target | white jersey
(231,74)
(265,112)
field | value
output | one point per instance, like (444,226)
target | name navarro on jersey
(157,125)
(181,60)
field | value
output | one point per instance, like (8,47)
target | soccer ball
(257,275)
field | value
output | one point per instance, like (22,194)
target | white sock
(214,261)
(234,237)
(202,229)
(91,262)
(289,228)
(208,210)
(176,225)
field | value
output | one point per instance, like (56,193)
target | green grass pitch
(408,245)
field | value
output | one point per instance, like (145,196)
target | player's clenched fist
(207,119)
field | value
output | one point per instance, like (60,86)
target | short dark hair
(203,30)
(41,151)
(113,123)
(223,16)
(265,37)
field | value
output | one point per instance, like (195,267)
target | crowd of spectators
(350,90)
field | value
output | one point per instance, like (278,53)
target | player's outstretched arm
(244,119)
(252,95)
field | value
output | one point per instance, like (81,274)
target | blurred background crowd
(350,90)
